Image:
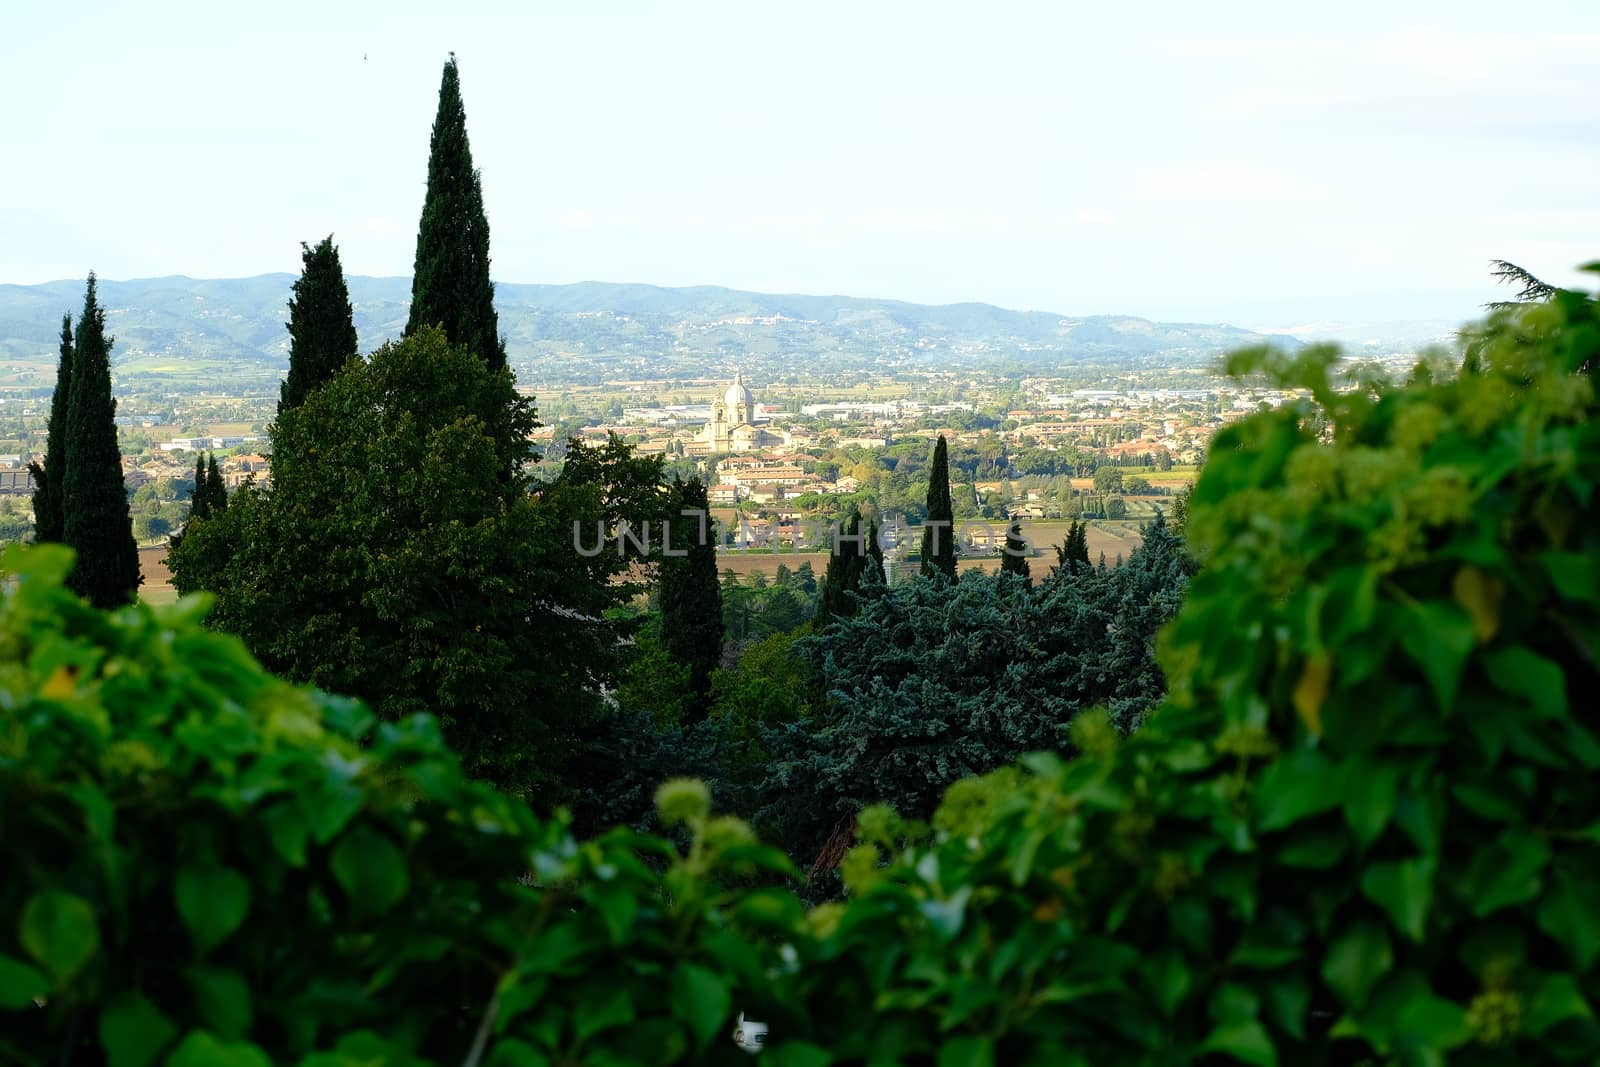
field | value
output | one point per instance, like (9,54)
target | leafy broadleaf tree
(938,532)
(391,559)
(450,286)
(94,504)
(691,600)
(49,477)
(322,331)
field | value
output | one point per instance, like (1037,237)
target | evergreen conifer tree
(94,505)
(938,541)
(450,286)
(216,488)
(200,499)
(49,477)
(1015,560)
(322,330)
(843,576)
(874,560)
(691,599)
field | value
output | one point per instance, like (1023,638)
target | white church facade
(733,423)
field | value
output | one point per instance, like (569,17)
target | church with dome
(733,422)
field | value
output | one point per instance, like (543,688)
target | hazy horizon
(1264,169)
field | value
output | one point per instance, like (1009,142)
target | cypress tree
(200,499)
(450,285)
(874,560)
(49,478)
(94,505)
(938,543)
(691,599)
(216,489)
(843,576)
(322,329)
(1015,560)
(1080,543)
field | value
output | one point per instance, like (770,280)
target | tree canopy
(96,522)
(450,285)
(322,331)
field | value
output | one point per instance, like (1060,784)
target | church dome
(738,397)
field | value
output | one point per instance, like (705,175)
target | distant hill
(230,331)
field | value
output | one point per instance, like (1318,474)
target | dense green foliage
(208,867)
(450,286)
(322,331)
(49,477)
(939,531)
(210,492)
(691,600)
(95,521)
(847,564)
(390,559)
(1360,828)
(933,681)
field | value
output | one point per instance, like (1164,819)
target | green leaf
(1508,873)
(617,905)
(201,1049)
(1439,636)
(511,1052)
(1556,999)
(213,901)
(1299,785)
(1575,575)
(59,930)
(1356,959)
(288,830)
(967,1051)
(1529,675)
(20,984)
(1244,1041)
(601,1009)
(1168,977)
(796,1054)
(1433,1023)
(221,1000)
(701,999)
(370,869)
(1404,890)
(133,1032)
(1369,798)
(1570,915)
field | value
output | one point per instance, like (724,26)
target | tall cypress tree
(48,478)
(875,553)
(450,285)
(1015,560)
(939,544)
(846,566)
(200,499)
(94,505)
(216,488)
(322,329)
(691,599)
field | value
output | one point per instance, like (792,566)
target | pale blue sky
(1262,164)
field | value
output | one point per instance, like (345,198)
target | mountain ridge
(173,324)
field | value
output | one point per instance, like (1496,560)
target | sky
(1259,164)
